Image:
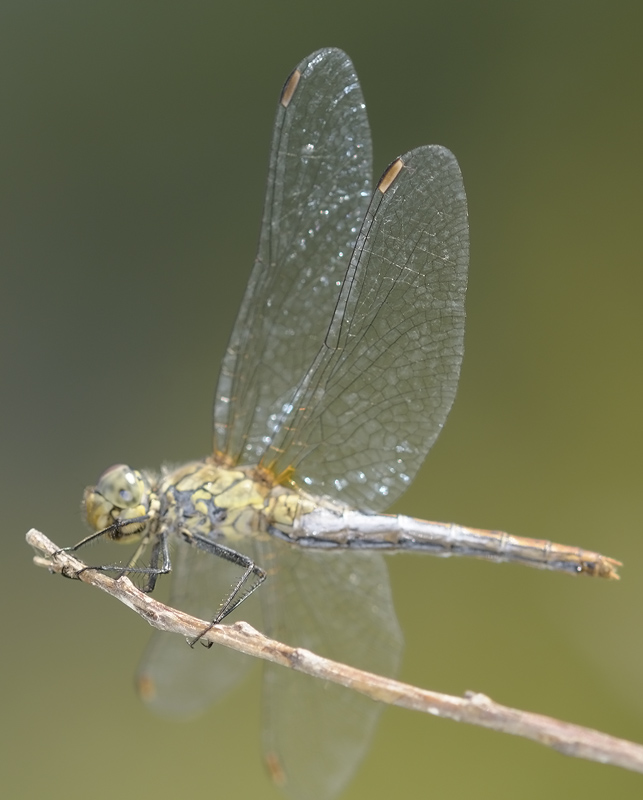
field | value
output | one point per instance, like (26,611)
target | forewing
(174,679)
(318,190)
(337,605)
(379,391)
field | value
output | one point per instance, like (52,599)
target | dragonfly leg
(159,564)
(159,560)
(243,588)
(111,532)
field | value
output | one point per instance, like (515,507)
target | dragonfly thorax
(207,499)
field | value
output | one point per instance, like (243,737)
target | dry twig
(474,708)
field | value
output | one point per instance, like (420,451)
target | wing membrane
(376,397)
(318,188)
(338,605)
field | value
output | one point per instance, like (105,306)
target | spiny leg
(159,560)
(159,563)
(111,531)
(240,591)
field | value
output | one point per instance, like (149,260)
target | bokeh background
(133,153)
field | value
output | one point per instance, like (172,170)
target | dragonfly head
(121,493)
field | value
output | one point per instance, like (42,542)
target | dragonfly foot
(199,638)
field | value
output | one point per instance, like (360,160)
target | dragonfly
(339,374)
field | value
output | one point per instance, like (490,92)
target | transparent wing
(367,412)
(338,605)
(173,678)
(319,184)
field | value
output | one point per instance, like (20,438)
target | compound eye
(121,486)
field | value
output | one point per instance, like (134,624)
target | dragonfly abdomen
(326,527)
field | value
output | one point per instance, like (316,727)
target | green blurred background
(133,152)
